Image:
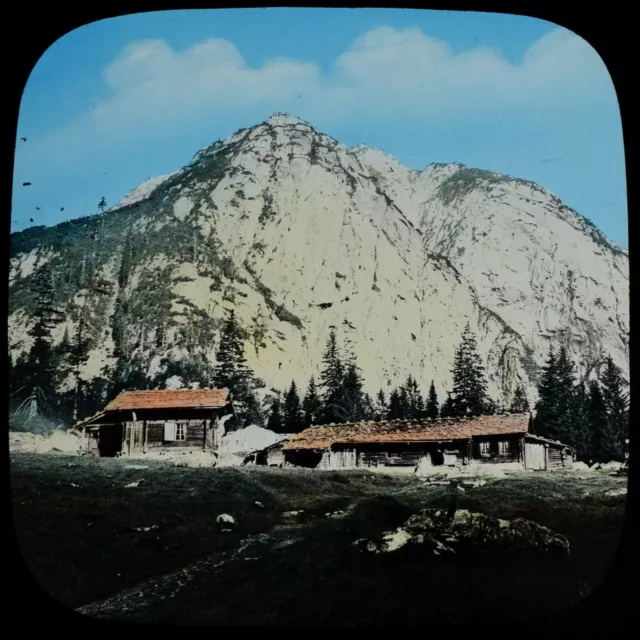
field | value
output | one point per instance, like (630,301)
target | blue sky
(121,100)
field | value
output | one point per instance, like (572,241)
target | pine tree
(311,405)
(393,408)
(432,403)
(616,401)
(449,409)
(582,435)
(275,422)
(415,402)
(519,402)
(469,386)
(352,406)
(547,406)
(233,373)
(331,380)
(380,406)
(369,409)
(231,370)
(78,354)
(602,445)
(292,410)
(38,368)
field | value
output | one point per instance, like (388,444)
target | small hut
(141,422)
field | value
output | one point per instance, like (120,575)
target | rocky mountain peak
(298,233)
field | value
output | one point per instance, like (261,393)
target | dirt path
(139,603)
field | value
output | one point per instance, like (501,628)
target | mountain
(298,233)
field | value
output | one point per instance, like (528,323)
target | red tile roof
(170,399)
(323,436)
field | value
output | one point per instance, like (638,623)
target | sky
(121,100)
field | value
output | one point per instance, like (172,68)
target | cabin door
(133,440)
(536,456)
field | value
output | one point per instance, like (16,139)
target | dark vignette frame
(609,609)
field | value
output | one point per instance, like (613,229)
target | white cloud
(406,72)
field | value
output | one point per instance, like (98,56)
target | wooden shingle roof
(170,399)
(324,436)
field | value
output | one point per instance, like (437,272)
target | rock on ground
(436,532)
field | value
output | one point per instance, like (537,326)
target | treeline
(592,417)
(340,397)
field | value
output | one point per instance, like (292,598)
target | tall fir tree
(581,431)
(395,408)
(352,406)
(275,421)
(332,381)
(432,410)
(469,385)
(415,402)
(449,409)
(292,410)
(602,446)
(232,372)
(519,402)
(616,401)
(311,405)
(369,408)
(380,406)
(37,370)
(547,409)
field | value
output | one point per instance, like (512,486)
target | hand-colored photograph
(319,317)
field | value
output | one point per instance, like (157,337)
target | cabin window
(485,448)
(503,448)
(181,431)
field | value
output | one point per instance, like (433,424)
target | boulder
(225,518)
(440,532)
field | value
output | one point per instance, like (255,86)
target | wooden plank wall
(195,434)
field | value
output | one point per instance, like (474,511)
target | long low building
(424,445)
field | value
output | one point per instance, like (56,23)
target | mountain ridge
(420,263)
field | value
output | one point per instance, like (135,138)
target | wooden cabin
(146,422)
(424,446)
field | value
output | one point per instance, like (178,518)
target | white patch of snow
(248,440)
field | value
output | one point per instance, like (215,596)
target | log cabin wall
(496,451)
(194,431)
(558,459)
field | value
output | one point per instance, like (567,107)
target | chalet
(140,422)
(424,446)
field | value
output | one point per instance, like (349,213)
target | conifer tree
(369,409)
(38,368)
(432,403)
(233,373)
(449,409)
(275,422)
(415,402)
(603,448)
(469,385)
(616,401)
(380,406)
(292,410)
(311,405)
(352,405)
(519,402)
(394,410)
(331,380)
(581,428)
(547,405)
